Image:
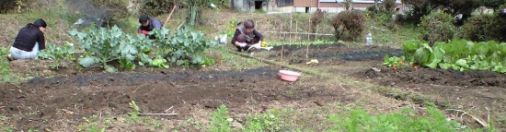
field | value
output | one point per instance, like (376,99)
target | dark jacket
(28,36)
(153,24)
(241,36)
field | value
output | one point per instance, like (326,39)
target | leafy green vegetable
(458,55)
(88,61)
(423,55)
(184,46)
(58,54)
(105,46)
(159,62)
(436,58)
(394,62)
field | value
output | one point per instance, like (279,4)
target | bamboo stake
(296,30)
(170,15)
(282,51)
(291,27)
(276,27)
(300,33)
(309,29)
(158,114)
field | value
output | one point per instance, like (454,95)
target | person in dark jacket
(148,24)
(29,41)
(246,37)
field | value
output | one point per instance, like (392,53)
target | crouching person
(246,37)
(148,24)
(29,41)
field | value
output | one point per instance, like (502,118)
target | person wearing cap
(29,41)
(246,37)
(148,24)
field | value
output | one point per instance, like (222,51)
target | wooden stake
(282,51)
(309,29)
(291,27)
(170,15)
(276,27)
(296,30)
(158,114)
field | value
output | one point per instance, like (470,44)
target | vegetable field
(97,75)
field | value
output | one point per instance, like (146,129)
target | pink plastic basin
(287,75)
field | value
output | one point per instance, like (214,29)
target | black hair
(143,19)
(249,24)
(40,23)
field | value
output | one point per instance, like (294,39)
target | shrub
(7,5)
(389,5)
(486,27)
(477,28)
(438,26)
(14,5)
(372,9)
(500,25)
(316,19)
(349,25)
(156,7)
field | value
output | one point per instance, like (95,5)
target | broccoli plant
(104,46)
(58,54)
(112,46)
(183,47)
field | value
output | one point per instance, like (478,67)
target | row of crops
(113,50)
(459,55)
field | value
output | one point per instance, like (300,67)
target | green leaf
(126,64)
(109,68)
(88,61)
(159,63)
(422,56)
(436,58)
(197,60)
(462,63)
(445,66)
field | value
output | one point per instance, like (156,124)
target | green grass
(268,121)
(4,66)
(234,61)
(4,127)
(358,120)
(388,34)
(220,120)
(352,120)
(133,116)
(130,120)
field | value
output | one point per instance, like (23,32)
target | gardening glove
(256,46)
(144,32)
(241,44)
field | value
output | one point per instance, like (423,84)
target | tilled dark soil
(439,77)
(42,101)
(329,52)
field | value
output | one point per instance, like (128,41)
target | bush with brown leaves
(349,25)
